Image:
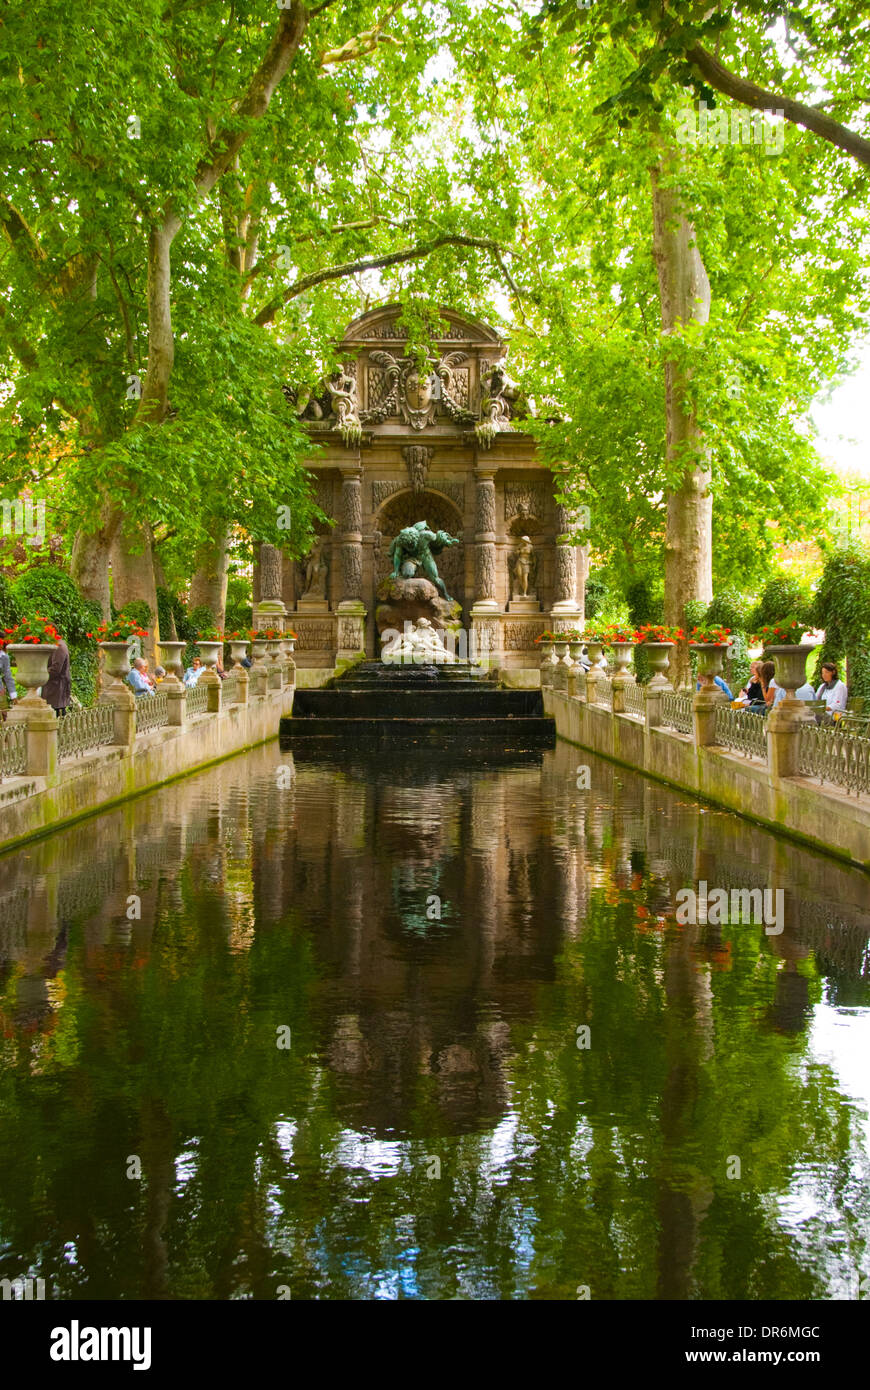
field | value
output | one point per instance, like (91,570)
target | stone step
(500,733)
(433,702)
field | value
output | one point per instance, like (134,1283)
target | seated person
(832,690)
(723,686)
(159,674)
(772,692)
(805,692)
(138,678)
(193,672)
(753,691)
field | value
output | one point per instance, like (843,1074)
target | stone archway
(406,508)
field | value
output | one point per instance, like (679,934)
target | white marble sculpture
(420,644)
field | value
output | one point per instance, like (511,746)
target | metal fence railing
(833,755)
(635,702)
(604,694)
(677,711)
(230,690)
(82,730)
(152,712)
(741,731)
(197,699)
(13,748)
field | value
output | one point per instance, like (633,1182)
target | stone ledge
(85,785)
(824,817)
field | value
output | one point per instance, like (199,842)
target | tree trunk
(684,293)
(133,578)
(89,562)
(209,583)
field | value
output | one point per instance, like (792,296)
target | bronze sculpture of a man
(412,552)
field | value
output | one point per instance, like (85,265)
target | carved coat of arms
(414,394)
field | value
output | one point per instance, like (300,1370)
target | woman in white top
(832,690)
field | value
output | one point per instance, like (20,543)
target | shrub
(140,611)
(783,596)
(51,591)
(729,608)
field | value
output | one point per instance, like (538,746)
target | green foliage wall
(9,613)
(842,608)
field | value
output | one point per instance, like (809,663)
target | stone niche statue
(412,553)
(315,572)
(522,570)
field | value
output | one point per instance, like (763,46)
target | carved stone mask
(419,391)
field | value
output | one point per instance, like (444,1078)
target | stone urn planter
(576,651)
(289,645)
(258,651)
(209,651)
(238,650)
(171,654)
(710,655)
(273,649)
(622,660)
(659,660)
(563,664)
(31,662)
(117,660)
(548,662)
(791,665)
(594,651)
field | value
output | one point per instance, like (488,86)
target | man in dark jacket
(8,693)
(58,687)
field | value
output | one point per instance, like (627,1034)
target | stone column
(566,611)
(124,701)
(653,704)
(212,681)
(484,554)
(270,611)
(176,703)
(485,629)
(41,739)
(704,706)
(783,727)
(351,609)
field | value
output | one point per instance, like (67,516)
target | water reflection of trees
(416,1039)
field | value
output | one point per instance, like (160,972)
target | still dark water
(432,933)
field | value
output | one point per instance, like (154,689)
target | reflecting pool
(419,1026)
